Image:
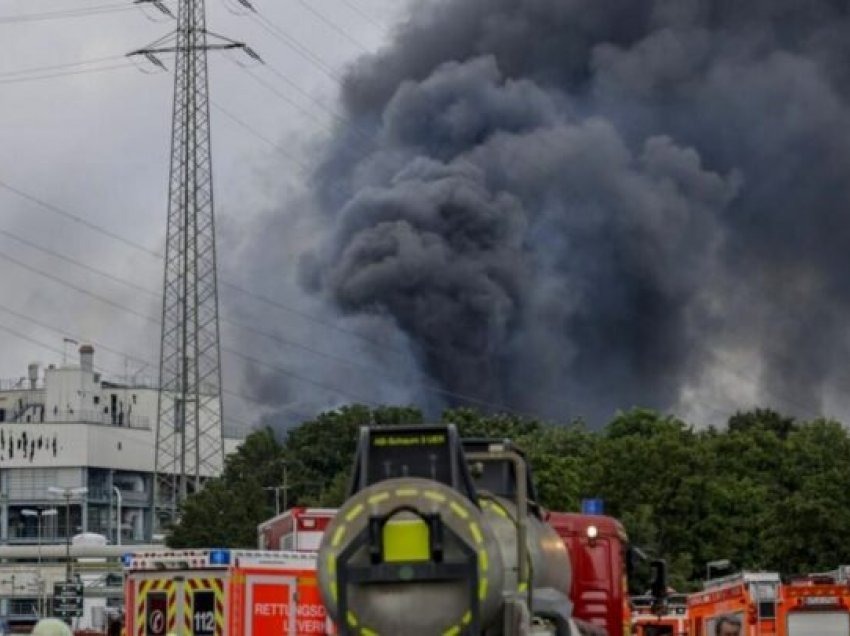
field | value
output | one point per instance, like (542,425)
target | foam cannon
(435,539)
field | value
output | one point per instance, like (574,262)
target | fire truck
(299,529)
(443,536)
(223,593)
(669,620)
(751,597)
(815,605)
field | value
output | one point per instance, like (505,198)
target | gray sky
(748,300)
(96,144)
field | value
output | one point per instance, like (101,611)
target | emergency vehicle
(223,593)
(815,605)
(297,529)
(752,597)
(673,620)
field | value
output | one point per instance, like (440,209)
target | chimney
(87,358)
(33,374)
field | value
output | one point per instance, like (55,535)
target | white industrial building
(67,428)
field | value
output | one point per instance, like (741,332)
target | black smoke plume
(574,206)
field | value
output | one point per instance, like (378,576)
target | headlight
(592,532)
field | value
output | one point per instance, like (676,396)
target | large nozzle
(410,556)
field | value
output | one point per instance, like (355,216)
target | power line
(266,334)
(331,24)
(20,80)
(41,69)
(293,44)
(303,167)
(67,13)
(156,321)
(158,255)
(287,99)
(351,5)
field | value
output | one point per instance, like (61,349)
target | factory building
(66,428)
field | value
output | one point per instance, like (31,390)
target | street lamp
(68,494)
(39,515)
(117,492)
(721,564)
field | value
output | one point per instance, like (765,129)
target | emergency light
(219,557)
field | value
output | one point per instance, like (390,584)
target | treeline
(766,492)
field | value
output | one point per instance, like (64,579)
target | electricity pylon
(189,429)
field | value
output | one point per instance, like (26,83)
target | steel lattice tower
(189,429)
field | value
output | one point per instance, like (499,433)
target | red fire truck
(815,605)
(299,529)
(752,597)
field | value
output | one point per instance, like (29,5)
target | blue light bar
(219,557)
(592,507)
(127,559)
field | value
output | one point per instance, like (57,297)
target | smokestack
(33,374)
(87,358)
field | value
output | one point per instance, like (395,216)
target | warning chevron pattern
(214,585)
(152,586)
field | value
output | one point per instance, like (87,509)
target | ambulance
(223,593)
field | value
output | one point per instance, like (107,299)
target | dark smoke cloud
(574,206)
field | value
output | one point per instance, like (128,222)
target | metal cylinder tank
(410,605)
(548,556)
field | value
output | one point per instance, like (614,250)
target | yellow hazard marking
(495,508)
(458,510)
(482,589)
(351,618)
(467,618)
(338,535)
(354,512)
(407,492)
(483,560)
(476,532)
(433,495)
(376,499)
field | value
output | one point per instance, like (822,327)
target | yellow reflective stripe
(476,532)
(452,631)
(523,586)
(433,495)
(333,591)
(483,560)
(407,492)
(365,631)
(354,512)
(495,508)
(351,618)
(331,564)
(338,535)
(458,510)
(467,618)
(482,589)
(376,499)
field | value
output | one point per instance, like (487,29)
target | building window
(2,415)
(96,399)
(134,398)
